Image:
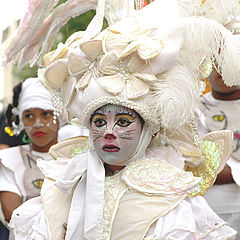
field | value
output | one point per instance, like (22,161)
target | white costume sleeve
(29,222)
(7,181)
(191,219)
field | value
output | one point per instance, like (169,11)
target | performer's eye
(218,118)
(100,122)
(38,183)
(123,122)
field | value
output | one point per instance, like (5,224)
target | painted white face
(115,131)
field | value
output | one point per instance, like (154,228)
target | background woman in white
(31,110)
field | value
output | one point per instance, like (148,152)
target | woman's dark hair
(10,117)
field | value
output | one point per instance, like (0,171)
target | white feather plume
(175,96)
(205,37)
(218,10)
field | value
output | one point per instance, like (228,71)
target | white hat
(150,62)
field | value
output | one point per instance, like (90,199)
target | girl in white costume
(128,84)
(20,178)
(219,110)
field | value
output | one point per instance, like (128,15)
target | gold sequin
(207,170)
(80,148)
(205,67)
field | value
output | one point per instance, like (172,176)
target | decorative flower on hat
(77,65)
(139,40)
(121,67)
(125,73)
(81,63)
(62,49)
(58,53)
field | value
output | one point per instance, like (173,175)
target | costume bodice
(140,194)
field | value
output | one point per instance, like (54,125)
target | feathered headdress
(150,61)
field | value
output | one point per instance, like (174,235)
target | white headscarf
(34,95)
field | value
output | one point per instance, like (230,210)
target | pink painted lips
(39,134)
(110,148)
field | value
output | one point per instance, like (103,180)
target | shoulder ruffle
(70,147)
(153,176)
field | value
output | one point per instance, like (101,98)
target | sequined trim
(80,148)
(113,190)
(155,176)
(207,170)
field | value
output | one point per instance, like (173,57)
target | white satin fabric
(30,222)
(71,131)
(190,220)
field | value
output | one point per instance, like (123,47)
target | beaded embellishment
(113,190)
(140,109)
(58,104)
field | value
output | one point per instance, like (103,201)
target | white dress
(156,206)
(19,173)
(218,115)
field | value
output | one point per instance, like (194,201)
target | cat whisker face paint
(115,131)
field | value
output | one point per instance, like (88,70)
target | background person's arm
(225,176)
(9,201)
